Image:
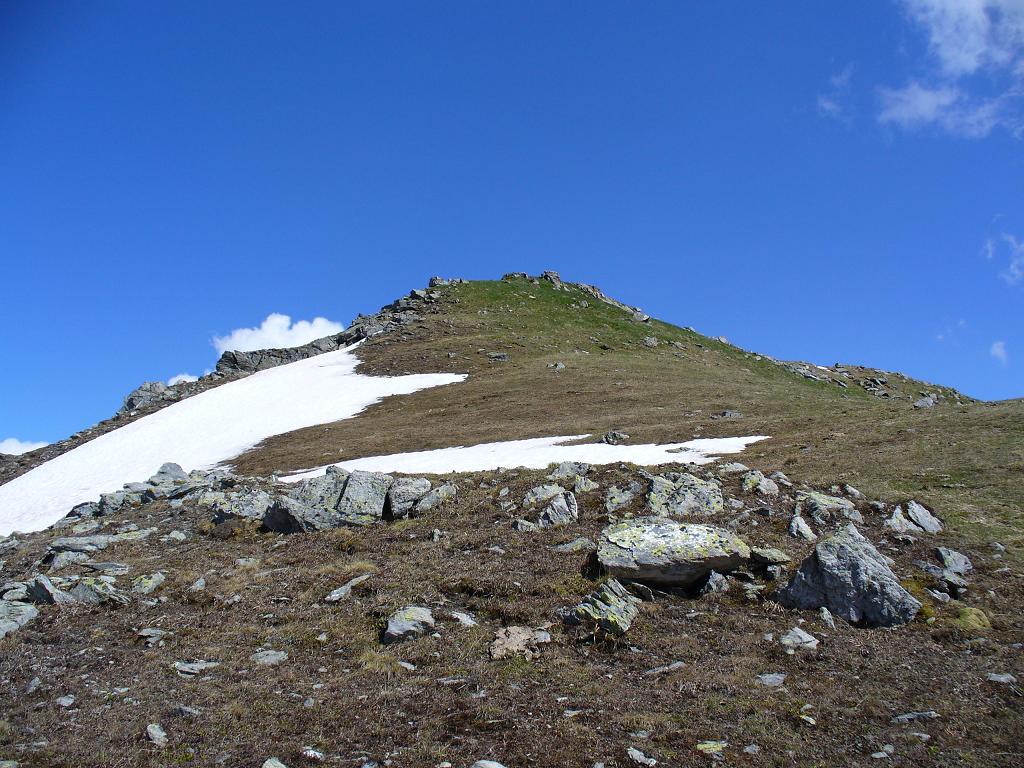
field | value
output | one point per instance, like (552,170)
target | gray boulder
(403,495)
(683,494)
(561,510)
(610,608)
(847,575)
(667,552)
(362,501)
(954,561)
(322,492)
(923,518)
(287,515)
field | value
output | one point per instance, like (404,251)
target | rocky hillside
(847,591)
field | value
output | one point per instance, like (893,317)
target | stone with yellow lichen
(664,551)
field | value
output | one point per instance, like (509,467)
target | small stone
(614,437)
(639,757)
(156,734)
(66,701)
(772,679)
(1001,677)
(826,617)
(345,589)
(273,762)
(910,717)
(512,641)
(797,639)
(148,583)
(408,623)
(798,528)
(268,658)
(923,518)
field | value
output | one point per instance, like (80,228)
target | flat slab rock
(662,551)
(847,575)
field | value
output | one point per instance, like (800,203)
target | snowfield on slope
(538,453)
(201,432)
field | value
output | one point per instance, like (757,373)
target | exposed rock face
(677,495)
(610,608)
(362,501)
(666,552)
(847,575)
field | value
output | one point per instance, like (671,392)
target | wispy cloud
(832,103)
(14,446)
(998,351)
(973,81)
(1014,271)
(276,331)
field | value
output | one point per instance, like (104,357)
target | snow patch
(201,432)
(539,452)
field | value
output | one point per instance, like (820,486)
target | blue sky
(815,181)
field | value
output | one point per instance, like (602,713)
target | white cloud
(276,332)
(180,378)
(14,446)
(998,351)
(1014,271)
(968,35)
(974,80)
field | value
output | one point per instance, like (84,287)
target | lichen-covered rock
(677,495)
(667,552)
(957,562)
(847,575)
(246,503)
(754,481)
(98,589)
(362,501)
(561,510)
(403,495)
(610,608)
(821,507)
(616,498)
(42,591)
(584,485)
(408,623)
(147,583)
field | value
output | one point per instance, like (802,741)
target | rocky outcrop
(847,575)
(667,552)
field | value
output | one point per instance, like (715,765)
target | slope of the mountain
(856,598)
